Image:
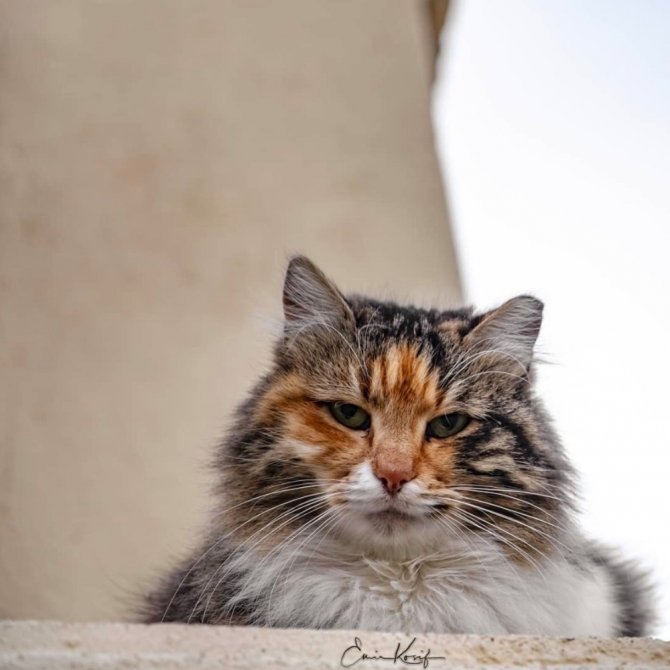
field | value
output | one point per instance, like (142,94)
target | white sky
(553,125)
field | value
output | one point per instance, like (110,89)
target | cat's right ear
(311,299)
(510,330)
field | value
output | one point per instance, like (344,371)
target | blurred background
(553,125)
(159,160)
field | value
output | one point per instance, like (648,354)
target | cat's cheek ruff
(304,450)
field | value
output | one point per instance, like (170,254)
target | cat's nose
(393,478)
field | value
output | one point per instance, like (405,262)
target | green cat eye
(351,416)
(447,425)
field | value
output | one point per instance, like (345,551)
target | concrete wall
(158,161)
(30,645)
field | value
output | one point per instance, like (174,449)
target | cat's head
(397,427)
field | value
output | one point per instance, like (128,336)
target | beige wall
(158,161)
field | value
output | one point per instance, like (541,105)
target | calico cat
(395,471)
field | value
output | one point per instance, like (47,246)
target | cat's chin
(390,516)
(392,532)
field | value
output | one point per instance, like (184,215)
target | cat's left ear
(310,298)
(510,331)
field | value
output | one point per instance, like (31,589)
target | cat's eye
(349,415)
(447,425)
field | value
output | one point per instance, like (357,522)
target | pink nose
(392,477)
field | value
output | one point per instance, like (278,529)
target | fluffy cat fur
(389,527)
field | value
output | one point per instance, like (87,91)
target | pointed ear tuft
(311,298)
(510,330)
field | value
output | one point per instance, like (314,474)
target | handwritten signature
(404,655)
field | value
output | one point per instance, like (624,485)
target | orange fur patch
(403,394)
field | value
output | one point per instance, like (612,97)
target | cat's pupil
(349,411)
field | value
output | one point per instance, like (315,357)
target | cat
(395,471)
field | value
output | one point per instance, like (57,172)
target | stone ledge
(53,645)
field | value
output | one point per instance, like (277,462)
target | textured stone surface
(30,645)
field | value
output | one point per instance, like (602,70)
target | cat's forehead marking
(403,375)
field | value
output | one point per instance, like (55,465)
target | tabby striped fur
(481,539)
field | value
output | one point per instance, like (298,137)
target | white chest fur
(474,592)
